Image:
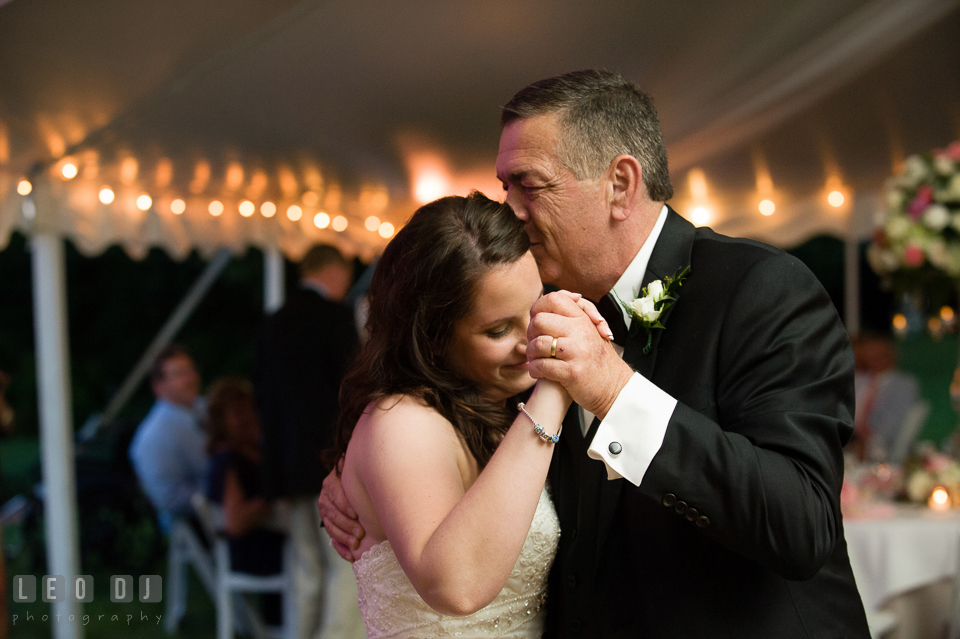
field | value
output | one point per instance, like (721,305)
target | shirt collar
(628,286)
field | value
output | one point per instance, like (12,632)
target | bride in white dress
(445,474)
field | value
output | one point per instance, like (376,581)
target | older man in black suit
(704,498)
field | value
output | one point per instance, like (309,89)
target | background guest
(168,450)
(233,482)
(885,395)
(302,355)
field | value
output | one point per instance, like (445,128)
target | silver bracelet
(538,429)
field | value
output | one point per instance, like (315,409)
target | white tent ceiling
(353,101)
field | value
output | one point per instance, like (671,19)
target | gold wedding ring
(553,348)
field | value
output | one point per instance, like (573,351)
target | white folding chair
(232,608)
(186,549)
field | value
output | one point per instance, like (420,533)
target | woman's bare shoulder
(402,416)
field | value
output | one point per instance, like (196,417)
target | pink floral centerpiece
(916,241)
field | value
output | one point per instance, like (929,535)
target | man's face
(180,383)
(565,218)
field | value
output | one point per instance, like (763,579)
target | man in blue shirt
(168,451)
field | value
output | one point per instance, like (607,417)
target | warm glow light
(24,187)
(294,213)
(935,326)
(900,322)
(386,230)
(835,198)
(247,208)
(339,223)
(215,208)
(106,195)
(946,314)
(430,185)
(321,220)
(178,206)
(268,209)
(144,202)
(700,216)
(767,207)
(372,223)
(939,499)
(310,199)
(69,170)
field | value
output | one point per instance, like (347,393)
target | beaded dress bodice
(392,608)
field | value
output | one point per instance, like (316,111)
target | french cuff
(633,430)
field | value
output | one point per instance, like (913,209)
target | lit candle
(939,499)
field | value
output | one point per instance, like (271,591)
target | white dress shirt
(638,419)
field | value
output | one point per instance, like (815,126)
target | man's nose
(516,204)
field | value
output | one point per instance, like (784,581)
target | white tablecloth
(910,547)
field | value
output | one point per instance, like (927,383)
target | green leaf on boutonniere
(653,300)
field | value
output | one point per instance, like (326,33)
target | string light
(339,223)
(178,206)
(24,187)
(215,208)
(294,213)
(268,209)
(69,171)
(701,216)
(321,220)
(835,199)
(386,230)
(372,223)
(106,195)
(247,208)
(144,202)
(767,207)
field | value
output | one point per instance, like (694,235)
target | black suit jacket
(735,530)
(302,355)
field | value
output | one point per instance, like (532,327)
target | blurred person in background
(168,451)
(233,481)
(6,427)
(302,355)
(885,394)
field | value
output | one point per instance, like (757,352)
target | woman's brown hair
(424,283)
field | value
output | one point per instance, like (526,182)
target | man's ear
(625,180)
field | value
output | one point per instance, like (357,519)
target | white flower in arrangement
(898,228)
(943,165)
(937,253)
(645,308)
(914,171)
(882,260)
(919,486)
(894,199)
(937,217)
(953,189)
(950,474)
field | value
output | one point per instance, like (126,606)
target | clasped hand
(585,362)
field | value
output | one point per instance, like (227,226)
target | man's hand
(339,519)
(585,363)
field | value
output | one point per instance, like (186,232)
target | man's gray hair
(601,116)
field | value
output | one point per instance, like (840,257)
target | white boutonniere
(656,298)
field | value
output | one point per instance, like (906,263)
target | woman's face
(489,345)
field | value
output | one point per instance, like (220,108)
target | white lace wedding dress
(392,608)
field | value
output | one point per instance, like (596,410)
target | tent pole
(273,280)
(851,279)
(56,423)
(167,332)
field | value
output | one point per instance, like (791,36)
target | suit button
(575,625)
(680,507)
(571,581)
(692,514)
(669,500)
(703,522)
(615,448)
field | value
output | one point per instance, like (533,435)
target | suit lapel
(671,253)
